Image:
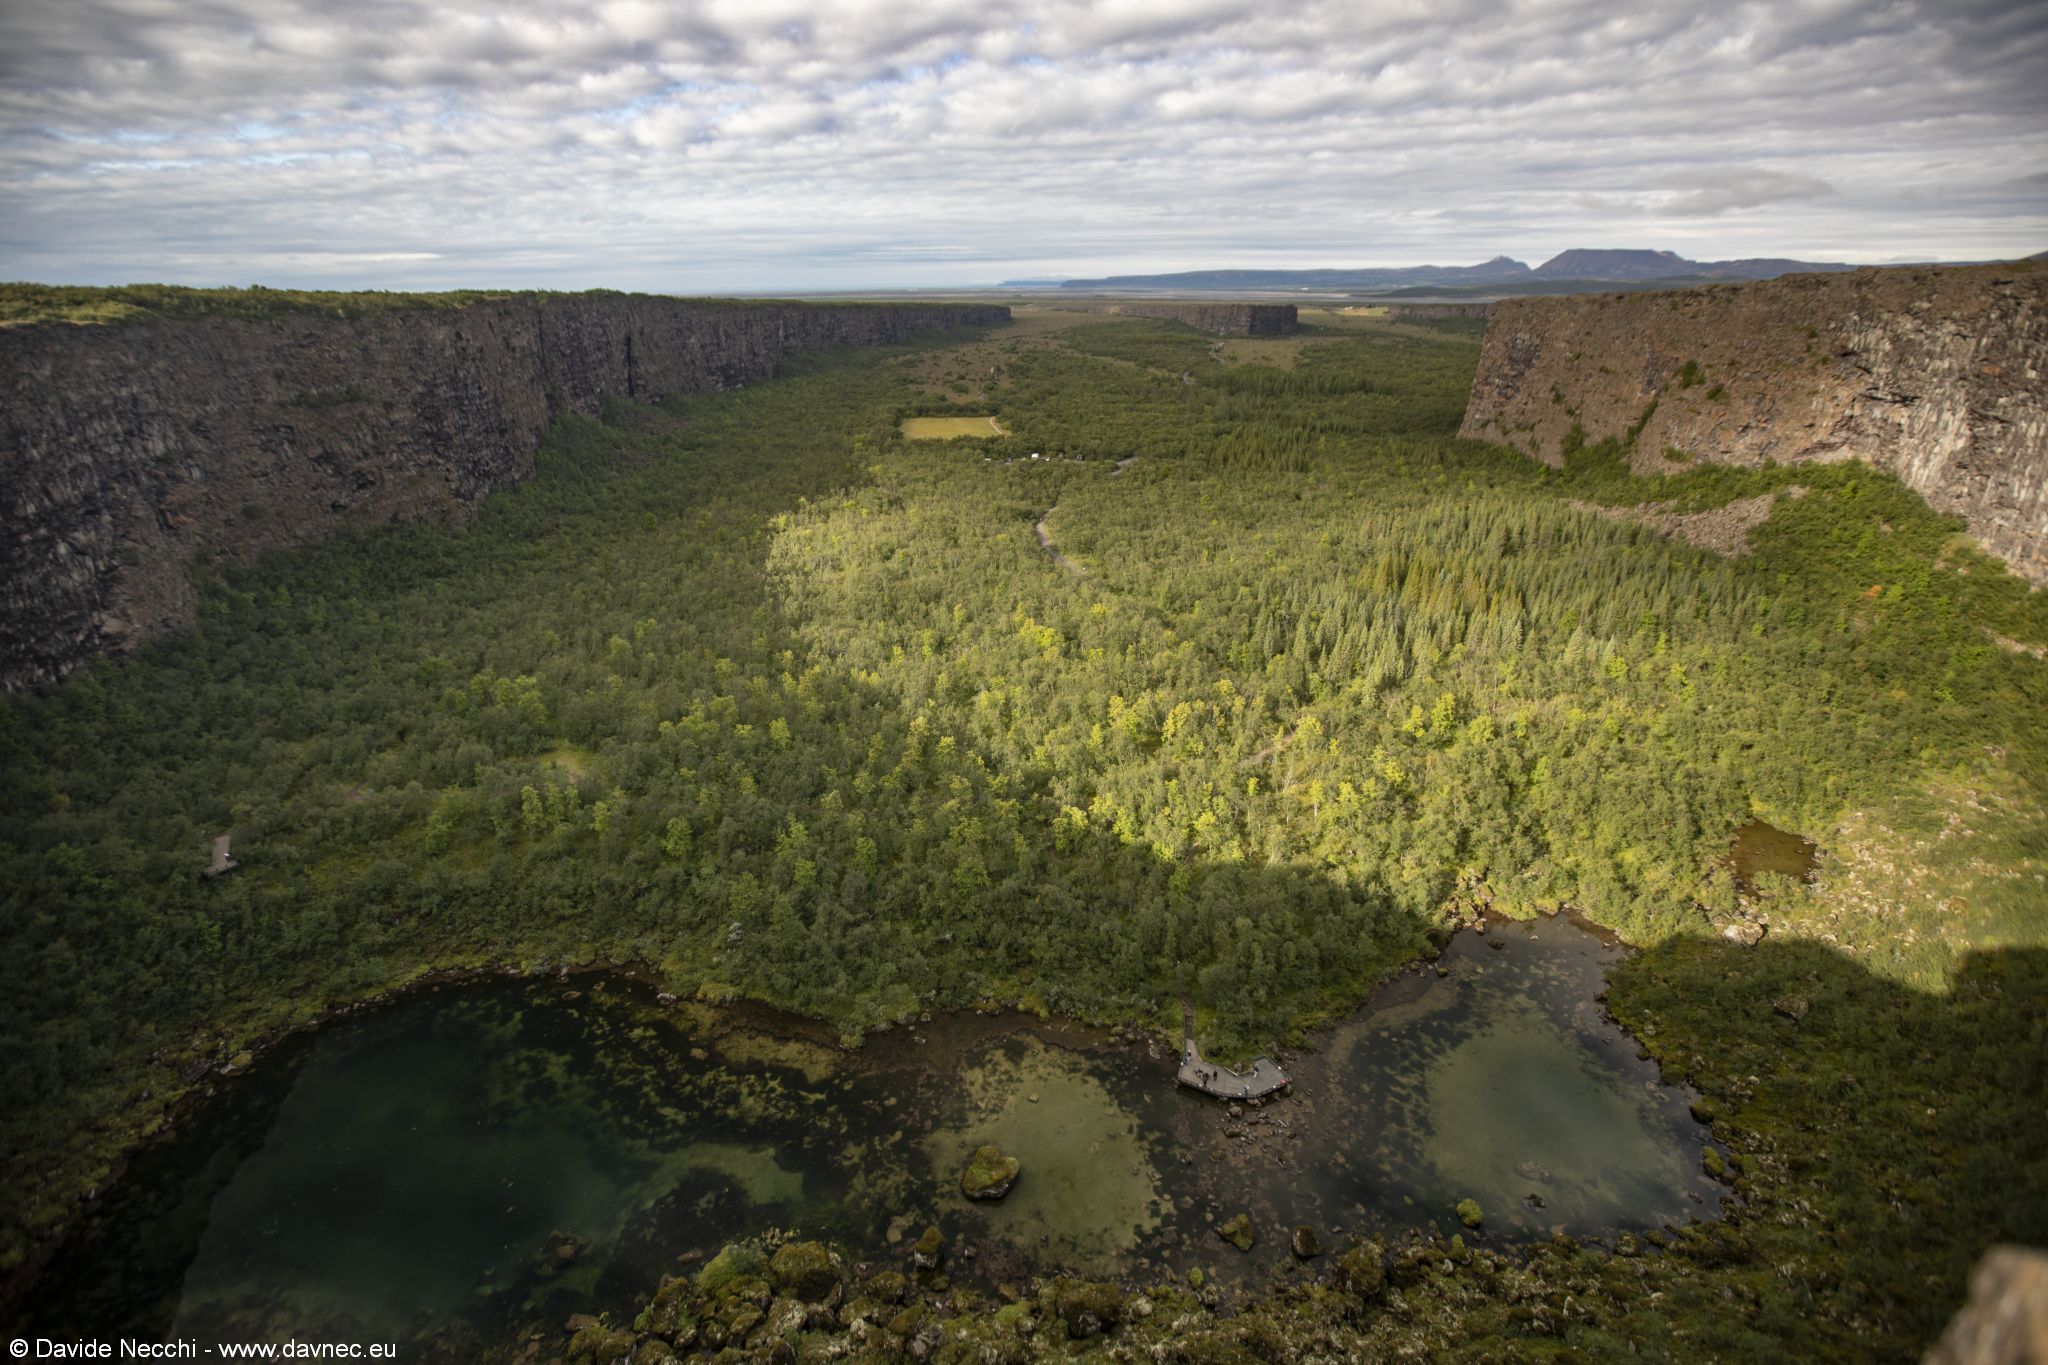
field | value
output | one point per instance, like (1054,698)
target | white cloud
(754,143)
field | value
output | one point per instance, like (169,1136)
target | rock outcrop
(2006,1320)
(132,454)
(990,1175)
(1939,375)
(1223,319)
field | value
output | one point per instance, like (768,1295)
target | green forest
(746,690)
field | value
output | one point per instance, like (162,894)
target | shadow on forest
(1884,1136)
(1887,1136)
(1881,1138)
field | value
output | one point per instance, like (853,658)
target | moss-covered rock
(732,1263)
(786,1317)
(1087,1308)
(1362,1269)
(1713,1165)
(1469,1213)
(1304,1243)
(886,1286)
(601,1345)
(930,1251)
(1238,1232)
(990,1174)
(805,1269)
(742,1322)
(667,1313)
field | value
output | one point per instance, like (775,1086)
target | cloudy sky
(730,145)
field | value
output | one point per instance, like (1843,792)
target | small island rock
(990,1175)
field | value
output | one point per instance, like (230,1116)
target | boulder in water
(1363,1270)
(805,1269)
(990,1175)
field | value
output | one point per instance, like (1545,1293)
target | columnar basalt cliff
(1936,374)
(131,453)
(1223,319)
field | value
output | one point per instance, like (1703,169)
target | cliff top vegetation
(23,302)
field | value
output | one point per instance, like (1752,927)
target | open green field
(946,428)
(774,701)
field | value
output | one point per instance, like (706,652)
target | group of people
(1207,1075)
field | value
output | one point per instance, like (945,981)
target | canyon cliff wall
(131,454)
(1223,319)
(1939,375)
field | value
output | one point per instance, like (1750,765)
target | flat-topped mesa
(1223,319)
(130,453)
(1937,374)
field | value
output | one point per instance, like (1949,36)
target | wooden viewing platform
(1264,1080)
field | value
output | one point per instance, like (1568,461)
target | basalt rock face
(1939,375)
(132,455)
(1223,319)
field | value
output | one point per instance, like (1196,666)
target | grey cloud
(735,143)
(1745,188)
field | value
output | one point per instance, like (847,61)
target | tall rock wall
(1939,375)
(130,454)
(1223,319)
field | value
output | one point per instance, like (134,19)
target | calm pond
(417,1173)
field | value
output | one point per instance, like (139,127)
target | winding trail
(1045,543)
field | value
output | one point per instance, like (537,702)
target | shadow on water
(417,1172)
(490,1153)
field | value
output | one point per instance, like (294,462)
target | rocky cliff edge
(1933,373)
(130,454)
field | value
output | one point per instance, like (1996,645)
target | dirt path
(1045,543)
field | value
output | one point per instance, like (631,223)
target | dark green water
(406,1175)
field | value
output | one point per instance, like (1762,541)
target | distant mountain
(1499,270)
(1624,266)
(1050,282)
(1567,271)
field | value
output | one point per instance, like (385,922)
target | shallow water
(1506,1084)
(1761,848)
(408,1174)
